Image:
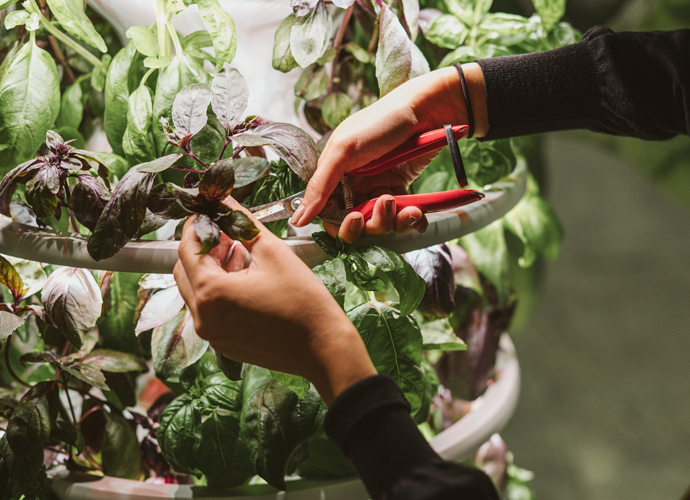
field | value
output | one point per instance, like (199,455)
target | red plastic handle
(413,148)
(427,203)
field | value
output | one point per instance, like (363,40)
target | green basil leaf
(122,216)
(310,35)
(276,423)
(394,343)
(197,40)
(189,109)
(144,40)
(397,58)
(28,429)
(138,139)
(156,62)
(447,31)
(117,97)
(335,108)
(249,169)
(439,334)
(72,18)
(175,345)
(181,72)
(302,7)
(158,165)
(67,433)
(179,433)
(100,73)
(72,108)
(238,226)
(488,252)
(116,324)
(218,181)
(32,274)
(110,360)
(120,453)
(409,285)
(11,279)
(289,142)
(467,53)
(325,460)
(16,18)
(298,385)
(8,324)
(221,27)
(481,7)
(311,83)
(358,52)
(550,11)
(89,198)
(359,274)
(208,232)
(283,59)
(411,13)
(230,96)
(72,301)
(332,275)
(504,29)
(534,221)
(30,94)
(488,161)
(160,308)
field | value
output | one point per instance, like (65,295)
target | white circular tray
(67,249)
(489,415)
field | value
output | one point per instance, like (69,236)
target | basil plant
(76,344)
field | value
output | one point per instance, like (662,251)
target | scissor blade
(277,210)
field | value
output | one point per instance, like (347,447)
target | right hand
(424,103)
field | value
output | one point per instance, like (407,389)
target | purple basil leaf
(310,35)
(122,216)
(120,454)
(191,180)
(163,201)
(289,142)
(110,360)
(39,357)
(249,169)
(343,4)
(237,225)
(159,165)
(301,7)
(154,412)
(161,307)
(89,198)
(230,96)
(491,457)
(208,232)
(218,181)
(435,266)
(151,223)
(190,107)
(11,279)
(73,302)
(53,141)
(175,345)
(89,374)
(8,324)
(191,200)
(18,175)
(41,191)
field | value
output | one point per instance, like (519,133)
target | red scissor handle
(427,203)
(417,146)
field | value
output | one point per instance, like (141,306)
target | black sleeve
(371,423)
(633,84)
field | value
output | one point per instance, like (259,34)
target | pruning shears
(339,206)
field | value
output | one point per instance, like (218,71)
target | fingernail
(411,221)
(294,220)
(388,207)
(355,224)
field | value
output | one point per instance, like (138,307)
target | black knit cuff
(541,92)
(359,402)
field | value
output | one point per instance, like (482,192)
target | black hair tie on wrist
(455,156)
(466,95)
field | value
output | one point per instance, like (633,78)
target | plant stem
(237,152)
(61,57)
(175,39)
(375,37)
(175,167)
(9,366)
(62,37)
(336,44)
(192,155)
(225,146)
(162,18)
(69,400)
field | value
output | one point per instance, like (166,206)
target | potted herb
(181,143)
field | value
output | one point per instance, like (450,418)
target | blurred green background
(605,402)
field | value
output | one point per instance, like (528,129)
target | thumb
(319,189)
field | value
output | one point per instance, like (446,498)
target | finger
(407,219)
(237,258)
(319,189)
(351,228)
(223,250)
(184,286)
(422,225)
(196,265)
(383,219)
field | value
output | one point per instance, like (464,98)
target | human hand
(275,313)
(424,103)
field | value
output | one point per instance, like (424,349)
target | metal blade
(277,210)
